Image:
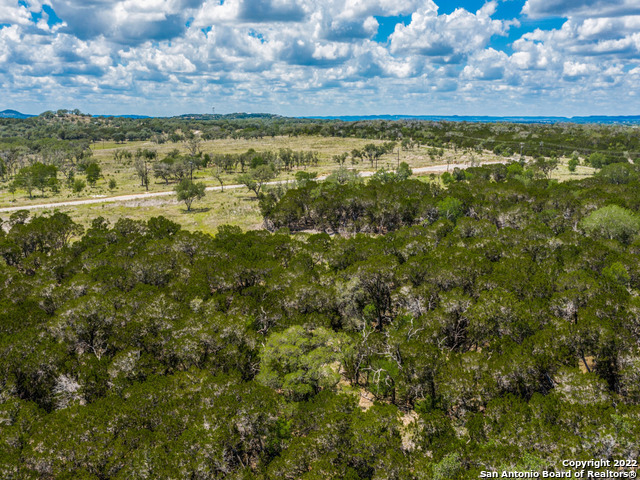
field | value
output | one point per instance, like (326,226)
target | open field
(563,174)
(123,171)
(233,207)
(236,207)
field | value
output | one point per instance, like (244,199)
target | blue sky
(322,57)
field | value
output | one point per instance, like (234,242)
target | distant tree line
(614,142)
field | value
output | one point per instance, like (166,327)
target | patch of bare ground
(591,362)
(408,434)
(150,202)
(366,400)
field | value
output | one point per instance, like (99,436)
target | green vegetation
(78,185)
(573,163)
(37,176)
(344,204)
(600,143)
(301,363)
(384,328)
(188,192)
(255,179)
(612,222)
(152,154)
(489,325)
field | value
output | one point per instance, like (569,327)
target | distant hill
(14,114)
(123,116)
(593,119)
(632,119)
(228,116)
(202,116)
(635,119)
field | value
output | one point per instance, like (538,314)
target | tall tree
(37,176)
(143,159)
(93,173)
(255,178)
(187,191)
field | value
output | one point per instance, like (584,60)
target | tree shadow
(41,196)
(195,210)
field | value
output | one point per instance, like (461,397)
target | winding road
(141,196)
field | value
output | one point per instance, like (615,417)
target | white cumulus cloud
(317,56)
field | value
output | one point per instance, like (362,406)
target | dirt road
(140,196)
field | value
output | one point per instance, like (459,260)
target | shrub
(612,222)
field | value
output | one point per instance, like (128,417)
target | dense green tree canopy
(491,325)
(37,176)
(612,222)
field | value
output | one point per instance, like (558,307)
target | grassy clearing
(563,174)
(98,146)
(123,172)
(233,207)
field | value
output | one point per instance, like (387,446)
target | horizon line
(337,116)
